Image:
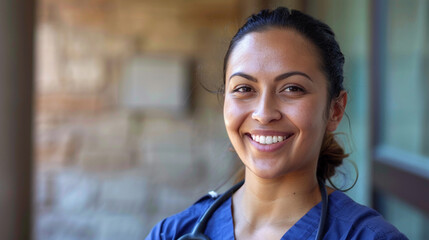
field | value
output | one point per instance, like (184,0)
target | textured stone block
(98,161)
(74,191)
(121,227)
(60,226)
(123,193)
(47,59)
(57,145)
(156,82)
(165,135)
(84,75)
(69,104)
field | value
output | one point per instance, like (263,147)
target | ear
(336,111)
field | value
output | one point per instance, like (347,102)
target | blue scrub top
(346,220)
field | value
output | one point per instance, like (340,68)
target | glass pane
(405,99)
(414,226)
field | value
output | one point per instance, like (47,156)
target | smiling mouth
(267,140)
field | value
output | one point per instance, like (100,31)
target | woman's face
(276,102)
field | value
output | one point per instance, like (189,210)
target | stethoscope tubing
(324,213)
(202,222)
(199,228)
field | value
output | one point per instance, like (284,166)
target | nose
(266,110)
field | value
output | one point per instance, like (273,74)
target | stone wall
(105,171)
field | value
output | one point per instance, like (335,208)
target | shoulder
(181,223)
(356,221)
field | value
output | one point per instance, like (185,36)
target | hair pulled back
(332,61)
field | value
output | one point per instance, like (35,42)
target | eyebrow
(243,75)
(278,78)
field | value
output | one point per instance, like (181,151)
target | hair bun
(331,156)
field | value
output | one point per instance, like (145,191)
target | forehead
(274,50)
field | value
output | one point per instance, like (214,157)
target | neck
(275,202)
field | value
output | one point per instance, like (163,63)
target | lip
(269,147)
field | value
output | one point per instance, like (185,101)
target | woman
(283,98)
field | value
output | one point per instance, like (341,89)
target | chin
(266,171)
(267,175)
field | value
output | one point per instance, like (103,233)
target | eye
(293,89)
(242,89)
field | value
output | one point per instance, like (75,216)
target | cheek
(308,116)
(234,115)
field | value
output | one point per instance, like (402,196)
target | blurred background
(107,126)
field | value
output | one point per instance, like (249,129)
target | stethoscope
(198,230)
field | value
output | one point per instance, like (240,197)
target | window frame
(390,173)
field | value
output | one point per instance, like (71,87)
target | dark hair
(332,60)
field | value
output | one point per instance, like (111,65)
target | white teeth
(267,139)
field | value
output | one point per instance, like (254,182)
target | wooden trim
(387,176)
(17,19)
(377,24)
(410,188)
(377,68)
